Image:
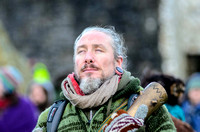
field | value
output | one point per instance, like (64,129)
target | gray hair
(118,41)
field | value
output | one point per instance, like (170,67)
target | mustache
(89,66)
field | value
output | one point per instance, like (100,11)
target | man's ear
(119,61)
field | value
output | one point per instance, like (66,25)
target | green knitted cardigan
(76,120)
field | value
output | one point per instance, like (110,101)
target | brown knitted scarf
(99,97)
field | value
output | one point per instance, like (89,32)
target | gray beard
(90,85)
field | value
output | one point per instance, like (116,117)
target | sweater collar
(128,85)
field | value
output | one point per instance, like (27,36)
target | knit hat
(193,82)
(41,76)
(10,78)
(41,73)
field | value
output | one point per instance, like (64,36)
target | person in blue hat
(17,112)
(191,103)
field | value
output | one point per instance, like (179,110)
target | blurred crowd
(183,98)
(19,112)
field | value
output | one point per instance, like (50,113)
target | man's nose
(89,58)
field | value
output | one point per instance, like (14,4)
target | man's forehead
(95,38)
(95,35)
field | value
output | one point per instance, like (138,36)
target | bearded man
(99,84)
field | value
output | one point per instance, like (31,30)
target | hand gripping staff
(148,101)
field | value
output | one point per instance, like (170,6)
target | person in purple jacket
(17,112)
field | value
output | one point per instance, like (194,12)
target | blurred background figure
(175,88)
(191,103)
(17,112)
(57,84)
(41,90)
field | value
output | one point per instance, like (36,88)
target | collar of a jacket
(128,85)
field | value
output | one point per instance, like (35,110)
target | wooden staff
(151,98)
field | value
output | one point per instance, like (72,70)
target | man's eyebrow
(94,45)
(99,45)
(81,46)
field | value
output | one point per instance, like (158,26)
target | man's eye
(80,51)
(99,50)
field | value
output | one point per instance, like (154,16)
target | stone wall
(45,30)
(179,35)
